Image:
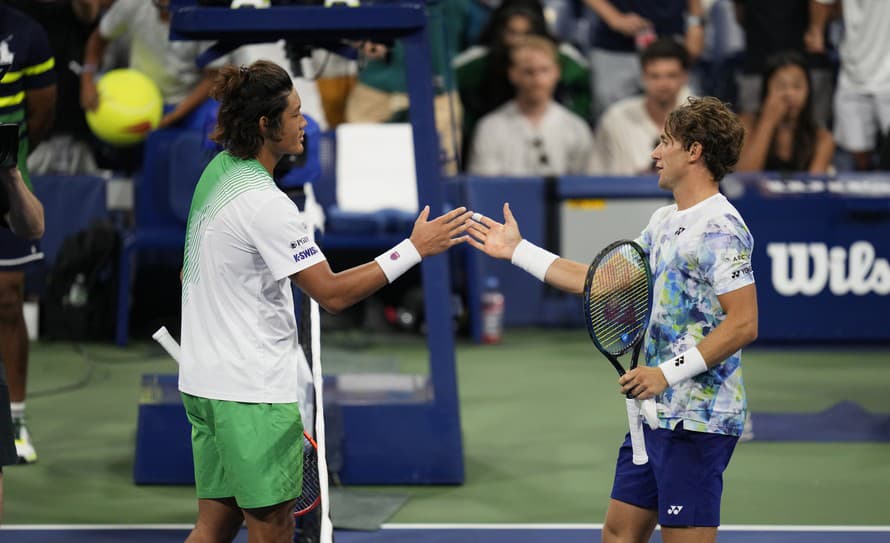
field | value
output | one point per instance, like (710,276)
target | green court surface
(541,416)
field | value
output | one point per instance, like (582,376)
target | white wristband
(398,260)
(533,259)
(683,367)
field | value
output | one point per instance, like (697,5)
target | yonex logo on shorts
(679,361)
(675,509)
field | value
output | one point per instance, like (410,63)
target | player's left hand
(643,382)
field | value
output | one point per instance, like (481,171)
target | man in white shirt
(246,243)
(532,135)
(145,27)
(629,128)
(862,100)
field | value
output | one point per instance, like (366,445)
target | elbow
(748,333)
(334,305)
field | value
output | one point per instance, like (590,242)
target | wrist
(532,259)
(398,260)
(683,367)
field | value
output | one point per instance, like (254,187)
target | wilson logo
(675,509)
(807,268)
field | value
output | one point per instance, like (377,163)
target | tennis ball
(130,106)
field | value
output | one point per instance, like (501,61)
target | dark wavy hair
(806,130)
(712,124)
(245,95)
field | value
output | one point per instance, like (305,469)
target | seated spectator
(784,135)
(772,27)
(145,26)
(629,129)
(628,26)
(532,135)
(481,70)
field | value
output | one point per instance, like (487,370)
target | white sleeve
(116,21)
(282,237)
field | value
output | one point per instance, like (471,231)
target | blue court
(470,533)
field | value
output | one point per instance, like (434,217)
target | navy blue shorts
(16,252)
(683,480)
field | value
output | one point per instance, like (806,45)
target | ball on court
(130,106)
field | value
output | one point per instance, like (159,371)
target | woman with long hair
(784,135)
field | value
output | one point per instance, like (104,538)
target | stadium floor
(458,534)
(541,418)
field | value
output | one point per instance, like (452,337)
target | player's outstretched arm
(503,240)
(337,291)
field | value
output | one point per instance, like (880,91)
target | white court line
(471,526)
(723,528)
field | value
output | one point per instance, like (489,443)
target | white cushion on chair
(375,167)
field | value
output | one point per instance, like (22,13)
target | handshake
(9,145)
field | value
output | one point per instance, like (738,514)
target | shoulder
(624,110)
(662,214)
(498,117)
(722,218)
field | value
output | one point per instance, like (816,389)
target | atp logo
(675,509)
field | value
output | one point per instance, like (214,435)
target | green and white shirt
(245,238)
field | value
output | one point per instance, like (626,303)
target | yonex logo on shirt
(679,231)
(675,509)
(303,255)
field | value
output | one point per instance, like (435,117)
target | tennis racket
(617,305)
(310,496)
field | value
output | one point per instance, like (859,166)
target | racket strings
(618,299)
(311,490)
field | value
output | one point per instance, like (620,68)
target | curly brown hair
(713,125)
(246,94)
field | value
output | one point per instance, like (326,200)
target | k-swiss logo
(675,509)
(813,266)
(679,360)
(305,253)
(680,231)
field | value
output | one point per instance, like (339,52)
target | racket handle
(650,413)
(635,424)
(169,344)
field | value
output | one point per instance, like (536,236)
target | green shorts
(250,451)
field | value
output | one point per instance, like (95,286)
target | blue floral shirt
(696,255)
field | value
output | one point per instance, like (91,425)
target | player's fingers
(424,214)
(459,239)
(478,228)
(508,215)
(454,213)
(475,243)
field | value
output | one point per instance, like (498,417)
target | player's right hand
(493,238)
(433,237)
